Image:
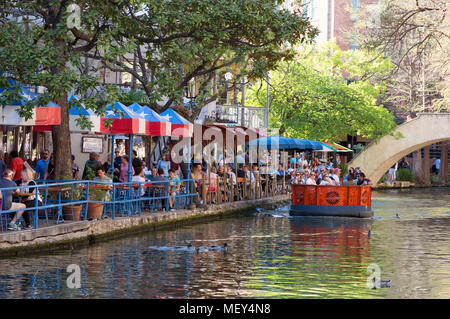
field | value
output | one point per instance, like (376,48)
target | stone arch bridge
(424,130)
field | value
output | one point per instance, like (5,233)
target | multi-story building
(336,19)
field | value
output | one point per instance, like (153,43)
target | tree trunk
(62,148)
(417,167)
(16,138)
(443,169)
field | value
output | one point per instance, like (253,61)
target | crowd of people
(322,172)
(17,172)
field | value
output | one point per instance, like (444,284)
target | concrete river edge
(81,233)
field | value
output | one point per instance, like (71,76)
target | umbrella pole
(112,156)
(188,170)
(130,155)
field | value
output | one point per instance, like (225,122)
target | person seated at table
(7,201)
(102,177)
(27,180)
(213,182)
(153,174)
(250,180)
(221,171)
(240,172)
(174,188)
(160,180)
(147,172)
(197,175)
(139,177)
(255,170)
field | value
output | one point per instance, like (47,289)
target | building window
(355,7)
(354,45)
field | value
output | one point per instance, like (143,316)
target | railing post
(245,186)
(87,200)
(113,212)
(36,211)
(217,189)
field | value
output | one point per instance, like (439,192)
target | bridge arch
(425,129)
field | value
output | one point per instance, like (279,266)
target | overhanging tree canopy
(173,41)
(312,98)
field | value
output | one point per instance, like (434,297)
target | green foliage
(358,148)
(405,175)
(174,42)
(344,169)
(310,98)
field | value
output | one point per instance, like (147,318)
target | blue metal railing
(118,199)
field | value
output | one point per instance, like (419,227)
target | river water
(269,255)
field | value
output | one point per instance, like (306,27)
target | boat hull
(342,201)
(322,210)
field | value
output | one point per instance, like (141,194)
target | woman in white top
(326,180)
(309,179)
(27,180)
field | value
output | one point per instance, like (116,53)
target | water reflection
(270,255)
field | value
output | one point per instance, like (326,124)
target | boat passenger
(334,174)
(309,178)
(326,180)
(362,180)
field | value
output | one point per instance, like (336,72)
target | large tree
(415,34)
(172,41)
(326,93)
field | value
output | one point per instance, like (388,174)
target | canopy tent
(155,124)
(334,147)
(180,127)
(286,143)
(124,120)
(75,113)
(49,114)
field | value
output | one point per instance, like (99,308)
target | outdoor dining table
(22,195)
(59,190)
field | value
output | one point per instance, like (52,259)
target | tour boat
(344,201)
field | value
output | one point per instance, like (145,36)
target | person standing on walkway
(123,177)
(2,163)
(136,162)
(41,165)
(164,164)
(91,164)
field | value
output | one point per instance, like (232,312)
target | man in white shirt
(334,175)
(309,179)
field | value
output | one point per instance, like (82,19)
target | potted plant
(95,210)
(72,212)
